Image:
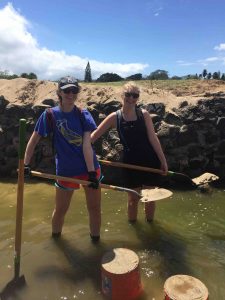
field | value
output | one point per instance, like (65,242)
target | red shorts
(66,185)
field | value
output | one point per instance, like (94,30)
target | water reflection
(187,237)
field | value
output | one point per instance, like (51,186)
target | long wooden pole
(20,188)
(180,177)
(83,182)
(128,166)
(18,281)
(146,196)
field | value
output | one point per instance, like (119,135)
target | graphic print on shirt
(71,136)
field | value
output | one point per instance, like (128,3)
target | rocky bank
(192,135)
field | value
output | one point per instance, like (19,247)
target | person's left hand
(92,177)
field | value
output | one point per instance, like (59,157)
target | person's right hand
(164,168)
(27,171)
(92,177)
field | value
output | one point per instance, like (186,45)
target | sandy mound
(171,93)
(25,91)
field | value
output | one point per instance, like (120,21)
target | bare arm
(34,139)
(108,122)
(155,141)
(88,151)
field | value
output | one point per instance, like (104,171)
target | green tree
(24,75)
(175,77)
(204,73)
(109,77)
(137,76)
(192,76)
(209,75)
(216,75)
(158,75)
(4,73)
(32,76)
(12,76)
(29,76)
(87,75)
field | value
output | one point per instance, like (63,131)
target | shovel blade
(11,288)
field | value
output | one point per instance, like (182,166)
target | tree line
(113,77)
(155,75)
(5,75)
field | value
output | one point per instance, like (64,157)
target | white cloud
(20,52)
(155,7)
(211,59)
(203,62)
(221,47)
(183,63)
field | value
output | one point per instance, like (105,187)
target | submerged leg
(93,200)
(149,207)
(150,210)
(132,206)
(62,203)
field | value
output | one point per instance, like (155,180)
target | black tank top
(133,136)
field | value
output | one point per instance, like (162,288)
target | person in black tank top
(137,151)
(141,147)
(134,137)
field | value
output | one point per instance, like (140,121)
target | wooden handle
(179,177)
(83,182)
(128,166)
(20,188)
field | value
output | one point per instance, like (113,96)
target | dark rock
(193,137)
(220,124)
(50,102)
(3,104)
(157,108)
(183,104)
(172,118)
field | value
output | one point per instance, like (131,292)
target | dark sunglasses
(71,90)
(134,95)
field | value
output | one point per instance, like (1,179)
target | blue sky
(56,38)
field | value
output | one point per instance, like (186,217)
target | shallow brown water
(187,237)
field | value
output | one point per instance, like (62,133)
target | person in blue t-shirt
(74,156)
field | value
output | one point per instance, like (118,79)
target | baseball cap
(66,82)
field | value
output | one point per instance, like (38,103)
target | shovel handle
(20,188)
(128,166)
(147,169)
(83,182)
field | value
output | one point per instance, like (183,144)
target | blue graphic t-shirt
(69,128)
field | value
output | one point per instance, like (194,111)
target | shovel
(180,177)
(146,195)
(19,280)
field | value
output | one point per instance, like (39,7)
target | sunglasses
(134,95)
(71,90)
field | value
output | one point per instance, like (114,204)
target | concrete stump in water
(184,287)
(120,275)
